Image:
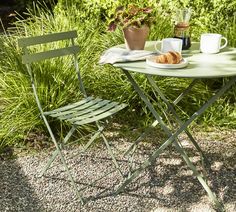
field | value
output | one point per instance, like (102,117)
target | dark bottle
(182,28)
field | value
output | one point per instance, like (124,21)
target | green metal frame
(172,110)
(88,110)
(172,137)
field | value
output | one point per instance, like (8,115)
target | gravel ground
(168,186)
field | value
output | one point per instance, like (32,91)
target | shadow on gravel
(15,192)
(176,186)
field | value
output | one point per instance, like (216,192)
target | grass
(19,115)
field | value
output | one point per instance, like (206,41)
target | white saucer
(151,62)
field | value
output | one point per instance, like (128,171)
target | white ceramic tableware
(170,44)
(210,43)
(151,62)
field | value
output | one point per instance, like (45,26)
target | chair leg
(50,161)
(112,155)
(93,138)
(101,128)
(55,153)
(70,177)
(63,159)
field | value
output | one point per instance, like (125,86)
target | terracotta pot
(135,38)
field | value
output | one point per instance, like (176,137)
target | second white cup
(210,43)
(171,44)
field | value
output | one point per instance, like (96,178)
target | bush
(19,114)
(217,16)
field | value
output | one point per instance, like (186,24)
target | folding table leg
(201,179)
(172,137)
(140,138)
(186,91)
(145,164)
(171,108)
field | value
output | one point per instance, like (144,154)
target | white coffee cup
(210,43)
(170,44)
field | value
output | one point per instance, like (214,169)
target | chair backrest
(29,57)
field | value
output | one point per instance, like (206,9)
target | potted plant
(135,22)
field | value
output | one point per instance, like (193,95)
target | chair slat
(80,107)
(35,57)
(85,111)
(24,42)
(94,113)
(68,107)
(101,116)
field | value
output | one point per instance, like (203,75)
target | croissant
(170,57)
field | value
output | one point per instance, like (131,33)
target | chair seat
(86,111)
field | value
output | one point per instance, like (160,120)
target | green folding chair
(86,111)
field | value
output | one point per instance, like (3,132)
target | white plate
(151,62)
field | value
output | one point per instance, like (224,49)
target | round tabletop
(200,65)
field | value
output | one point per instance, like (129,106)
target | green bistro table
(201,66)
